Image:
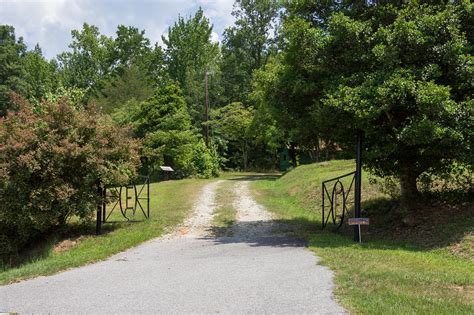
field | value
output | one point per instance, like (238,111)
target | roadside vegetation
(400,268)
(77,244)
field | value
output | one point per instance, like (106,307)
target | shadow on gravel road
(276,233)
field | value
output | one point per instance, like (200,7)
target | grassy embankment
(424,269)
(170,203)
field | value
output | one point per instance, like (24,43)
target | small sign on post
(358,222)
(167,170)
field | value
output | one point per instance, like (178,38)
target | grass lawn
(422,269)
(170,203)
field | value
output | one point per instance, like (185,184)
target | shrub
(205,161)
(51,157)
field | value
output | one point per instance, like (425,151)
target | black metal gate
(338,200)
(129,199)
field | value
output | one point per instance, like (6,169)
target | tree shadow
(43,245)
(438,224)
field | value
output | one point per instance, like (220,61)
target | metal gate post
(148,197)
(99,210)
(104,204)
(358,183)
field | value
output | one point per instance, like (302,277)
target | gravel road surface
(256,270)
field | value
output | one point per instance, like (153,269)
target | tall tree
(165,125)
(246,45)
(130,86)
(189,54)
(401,73)
(130,46)
(40,74)
(89,62)
(12,70)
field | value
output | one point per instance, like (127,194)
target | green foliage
(11,67)
(89,62)
(189,55)
(402,73)
(246,46)
(231,124)
(206,161)
(40,74)
(131,47)
(74,95)
(165,126)
(131,85)
(51,158)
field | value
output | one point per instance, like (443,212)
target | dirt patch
(199,224)
(67,244)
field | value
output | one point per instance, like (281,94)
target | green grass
(398,269)
(170,203)
(224,213)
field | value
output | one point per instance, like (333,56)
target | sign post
(357,222)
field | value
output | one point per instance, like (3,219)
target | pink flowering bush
(51,157)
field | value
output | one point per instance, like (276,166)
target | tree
(231,124)
(164,124)
(12,70)
(131,47)
(132,85)
(246,46)
(416,94)
(90,60)
(401,73)
(40,74)
(189,54)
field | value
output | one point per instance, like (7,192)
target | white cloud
(49,22)
(214,37)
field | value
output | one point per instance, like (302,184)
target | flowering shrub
(51,157)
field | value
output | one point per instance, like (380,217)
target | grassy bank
(170,203)
(425,269)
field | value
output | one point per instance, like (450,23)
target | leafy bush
(205,160)
(51,157)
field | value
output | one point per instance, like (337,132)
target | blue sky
(49,22)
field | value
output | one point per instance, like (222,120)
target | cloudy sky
(49,22)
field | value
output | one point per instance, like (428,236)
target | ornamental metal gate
(130,200)
(338,200)
(338,194)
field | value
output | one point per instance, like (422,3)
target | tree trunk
(244,155)
(408,190)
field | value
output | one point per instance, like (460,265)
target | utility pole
(206,111)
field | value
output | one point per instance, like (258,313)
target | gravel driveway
(257,270)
